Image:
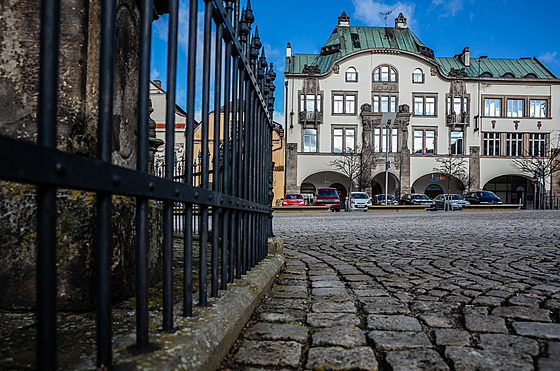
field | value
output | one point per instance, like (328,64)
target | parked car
(453,201)
(327,197)
(418,199)
(358,201)
(482,197)
(380,200)
(293,199)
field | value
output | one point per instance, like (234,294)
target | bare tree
(452,166)
(356,165)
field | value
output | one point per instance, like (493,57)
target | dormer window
(418,76)
(351,75)
(531,76)
(508,75)
(385,73)
(486,74)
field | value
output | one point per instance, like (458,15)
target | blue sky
(496,28)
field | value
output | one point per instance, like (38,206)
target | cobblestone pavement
(406,291)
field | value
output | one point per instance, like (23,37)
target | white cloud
(370,12)
(279,118)
(154,74)
(450,7)
(548,57)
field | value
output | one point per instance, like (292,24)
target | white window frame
(538,112)
(308,148)
(513,108)
(385,73)
(347,139)
(424,134)
(459,149)
(422,106)
(380,139)
(389,100)
(492,107)
(492,144)
(344,103)
(418,76)
(537,144)
(351,74)
(514,144)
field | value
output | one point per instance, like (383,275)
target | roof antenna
(389,12)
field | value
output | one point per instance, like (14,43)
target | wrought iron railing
(240,194)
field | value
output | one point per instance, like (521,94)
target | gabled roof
(519,68)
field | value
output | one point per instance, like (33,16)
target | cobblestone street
(405,291)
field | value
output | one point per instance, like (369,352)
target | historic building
(483,112)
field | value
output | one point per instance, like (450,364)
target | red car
(293,199)
(327,197)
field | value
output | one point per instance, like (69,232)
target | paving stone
(275,331)
(552,304)
(490,301)
(269,353)
(333,283)
(470,359)
(330,292)
(337,358)
(393,323)
(553,350)
(286,316)
(499,293)
(392,340)
(371,292)
(508,343)
(329,277)
(471,309)
(343,336)
(523,313)
(333,307)
(452,337)
(434,306)
(279,303)
(488,323)
(357,278)
(441,320)
(382,305)
(332,319)
(525,300)
(548,364)
(549,289)
(550,331)
(415,359)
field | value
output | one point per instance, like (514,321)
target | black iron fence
(239,196)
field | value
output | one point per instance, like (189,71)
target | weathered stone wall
(75,251)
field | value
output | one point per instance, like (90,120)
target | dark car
(482,197)
(418,199)
(327,197)
(380,200)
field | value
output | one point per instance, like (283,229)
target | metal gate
(238,200)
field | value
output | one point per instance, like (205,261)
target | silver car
(359,201)
(450,202)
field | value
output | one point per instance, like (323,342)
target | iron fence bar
(46,194)
(203,269)
(216,176)
(103,220)
(169,168)
(142,238)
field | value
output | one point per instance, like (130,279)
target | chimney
(289,50)
(344,20)
(400,21)
(157,83)
(466,56)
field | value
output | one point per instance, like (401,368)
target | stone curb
(201,342)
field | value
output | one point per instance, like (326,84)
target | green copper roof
(498,67)
(345,40)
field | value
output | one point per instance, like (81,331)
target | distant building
(482,110)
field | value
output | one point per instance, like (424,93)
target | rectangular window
(344,104)
(344,140)
(307,102)
(514,144)
(538,108)
(515,108)
(380,140)
(456,143)
(310,140)
(424,141)
(491,144)
(537,145)
(384,103)
(460,105)
(424,105)
(493,107)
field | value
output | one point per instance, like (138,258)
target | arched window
(531,76)
(486,74)
(418,76)
(351,74)
(508,75)
(385,73)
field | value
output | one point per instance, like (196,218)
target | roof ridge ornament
(344,20)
